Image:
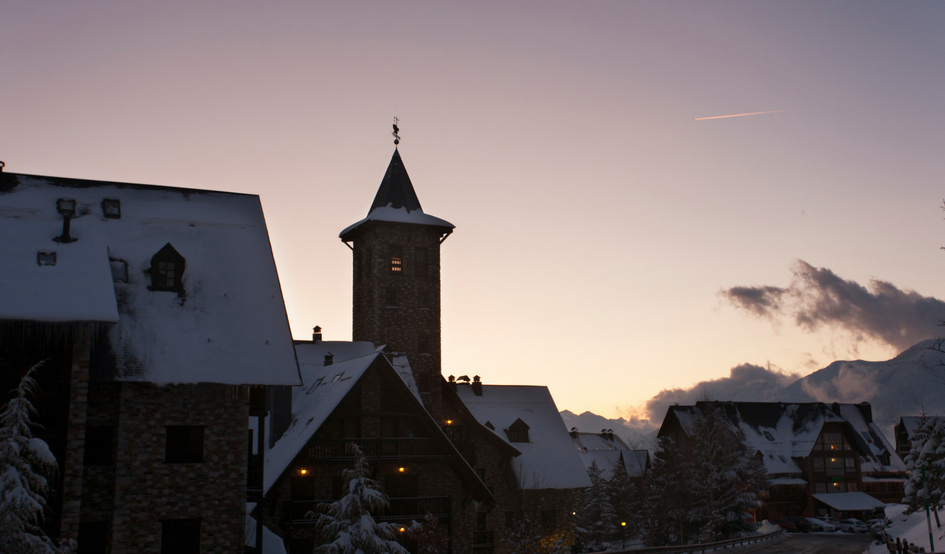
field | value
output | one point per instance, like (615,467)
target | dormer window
(518,431)
(769,436)
(111,208)
(46,258)
(167,270)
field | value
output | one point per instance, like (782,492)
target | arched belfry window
(167,270)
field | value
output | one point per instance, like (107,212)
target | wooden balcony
(378,448)
(400,509)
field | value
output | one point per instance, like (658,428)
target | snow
(230,327)
(606,450)
(788,481)
(323,388)
(272,543)
(849,501)
(912,528)
(399,215)
(549,460)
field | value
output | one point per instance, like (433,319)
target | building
(904,431)
(810,450)
(159,313)
(610,453)
(478,481)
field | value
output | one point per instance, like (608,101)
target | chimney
(317,334)
(477,386)
(329,359)
(67,209)
(452,382)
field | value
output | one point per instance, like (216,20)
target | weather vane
(396,132)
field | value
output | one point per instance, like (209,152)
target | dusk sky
(600,216)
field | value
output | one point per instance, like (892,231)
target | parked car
(803,526)
(832,521)
(821,525)
(785,524)
(853,525)
(877,522)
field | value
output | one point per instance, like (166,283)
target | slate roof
(782,432)
(396,201)
(228,326)
(549,460)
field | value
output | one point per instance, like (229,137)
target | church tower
(397,278)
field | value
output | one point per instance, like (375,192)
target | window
(518,431)
(46,258)
(167,270)
(423,382)
(769,436)
(481,521)
(119,270)
(422,263)
(423,343)
(401,485)
(184,444)
(93,537)
(99,446)
(111,208)
(180,536)
(424,301)
(831,441)
(396,259)
(391,297)
(303,487)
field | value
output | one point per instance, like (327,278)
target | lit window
(396,259)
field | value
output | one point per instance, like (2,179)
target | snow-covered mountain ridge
(905,385)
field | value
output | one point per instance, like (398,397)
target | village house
(431,452)
(904,430)
(610,453)
(159,314)
(821,458)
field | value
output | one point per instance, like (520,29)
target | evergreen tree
(726,480)
(595,514)
(928,450)
(348,524)
(524,537)
(25,464)
(624,498)
(665,516)
(426,535)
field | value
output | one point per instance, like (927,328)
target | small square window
(423,344)
(184,444)
(391,297)
(119,270)
(99,446)
(423,300)
(46,258)
(180,536)
(111,208)
(422,263)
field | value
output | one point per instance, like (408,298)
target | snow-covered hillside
(905,385)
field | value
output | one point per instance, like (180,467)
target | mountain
(905,385)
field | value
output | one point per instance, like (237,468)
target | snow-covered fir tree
(427,537)
(348,526)
(726,479)
(595,518)
(525,537)
(25,465)
(624,497)
(665,518)
(928,450)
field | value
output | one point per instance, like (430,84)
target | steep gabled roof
(785,432)
(609,451)
(549,460)
(323,389)
(396,201)
(228,325)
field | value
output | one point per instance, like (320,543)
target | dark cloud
(818,298)
(746,382)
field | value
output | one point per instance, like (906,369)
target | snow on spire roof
(228,323)
(396,201)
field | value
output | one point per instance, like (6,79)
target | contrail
(736,115)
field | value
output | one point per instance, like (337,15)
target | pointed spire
(396,190)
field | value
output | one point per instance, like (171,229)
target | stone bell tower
(397,278)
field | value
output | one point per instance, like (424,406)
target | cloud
(817,298)
(746,382)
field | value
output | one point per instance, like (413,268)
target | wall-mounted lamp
(449,421)
(401,469)
(303,471)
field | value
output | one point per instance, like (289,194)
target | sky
(611,242)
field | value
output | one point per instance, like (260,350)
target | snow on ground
(912,528)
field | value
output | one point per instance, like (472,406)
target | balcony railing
(341,449)
(400,509)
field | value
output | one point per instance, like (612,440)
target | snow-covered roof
(850,501)
(322,390)
(549,459)
(605,449)
(229,324)
(788,481)
(782,432)
(396,201)
(910,423)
